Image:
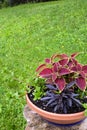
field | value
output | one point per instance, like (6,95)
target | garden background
(29,33)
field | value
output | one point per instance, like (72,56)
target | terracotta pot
(56,118)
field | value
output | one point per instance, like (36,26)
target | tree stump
(36,122)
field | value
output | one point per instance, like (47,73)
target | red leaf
(47,60)
(74,55)
(47,72)
(42,66)
(84,68)
(63,62)
(62,56)
(54,76)
(53,57)
(60,83)
(74,69)
(82,74)
(81,83)
(75,62)
(70,64)
(63,71)
(55,67)
(79,67)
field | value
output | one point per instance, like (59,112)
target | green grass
(28,34)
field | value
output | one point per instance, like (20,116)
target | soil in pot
(42,105)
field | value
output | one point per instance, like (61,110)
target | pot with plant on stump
(59,92)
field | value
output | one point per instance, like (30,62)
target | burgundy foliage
(62,71)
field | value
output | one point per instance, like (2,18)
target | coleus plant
(60,70)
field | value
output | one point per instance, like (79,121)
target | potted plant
(59,91)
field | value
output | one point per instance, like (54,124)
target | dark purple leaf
(56,108)
(77,101)
(69,85)
(51,94)
(61,105)
(65,96)
(45,98)
(69,102)
(51,87)
(50,101)
(65,109)
(53,104)
(74,95)
(48,93)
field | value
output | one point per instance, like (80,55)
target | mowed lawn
(28,34)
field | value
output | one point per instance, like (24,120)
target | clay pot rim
(35,108)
